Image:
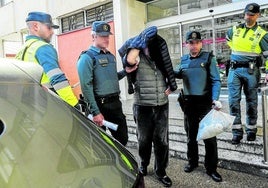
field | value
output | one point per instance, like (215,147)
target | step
(246,157)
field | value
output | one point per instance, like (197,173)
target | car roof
(20,71)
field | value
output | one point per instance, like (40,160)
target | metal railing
(264,95)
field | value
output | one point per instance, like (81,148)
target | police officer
(201,85)
(99,81)
(37,49)
(248,41)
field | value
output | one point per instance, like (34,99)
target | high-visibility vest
(247,44)
(63,89)
(28,54)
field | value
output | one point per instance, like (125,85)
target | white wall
(13,14)
(7,21)
(129,20)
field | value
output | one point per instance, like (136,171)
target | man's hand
(98,119)
(216,105)
(168,91)
(133,67)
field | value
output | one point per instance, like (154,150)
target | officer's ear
(94,36)
(33,25)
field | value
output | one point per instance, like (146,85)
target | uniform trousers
(113,112)
(239,78)
(195,109)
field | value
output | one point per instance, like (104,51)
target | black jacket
(159,53)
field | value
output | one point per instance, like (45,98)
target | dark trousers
(152,128)
(112,111)
(195,110)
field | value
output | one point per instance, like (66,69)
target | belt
(239,64)
(107,99)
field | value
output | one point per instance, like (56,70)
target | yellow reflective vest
(62,88)
(247,44)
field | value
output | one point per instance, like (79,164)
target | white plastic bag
(214,123)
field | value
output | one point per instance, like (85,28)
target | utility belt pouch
(181,99)
(251,67)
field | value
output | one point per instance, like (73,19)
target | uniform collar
(244,26)
(34,37)
(196,56)
(98,50)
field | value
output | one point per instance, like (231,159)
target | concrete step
(246,157)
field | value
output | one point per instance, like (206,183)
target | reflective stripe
(237,126)
(61,85)
(265,53)
(251,126)
(245,53)
(54,72)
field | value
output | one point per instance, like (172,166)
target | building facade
(127,18)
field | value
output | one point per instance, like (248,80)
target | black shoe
(236,139)
(143,170)
(215,176)
(165,180)
(190,167)
(251,136)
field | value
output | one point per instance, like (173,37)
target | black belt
(107,99)
(239,64)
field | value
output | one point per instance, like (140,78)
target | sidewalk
(199,179)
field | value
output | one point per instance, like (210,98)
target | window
(103,12)
(172,37)
(162,9)
(78,20)
(73,22)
